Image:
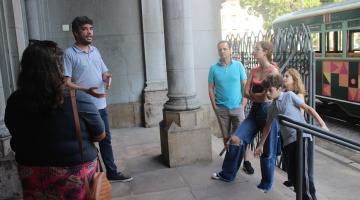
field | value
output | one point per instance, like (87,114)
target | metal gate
(292,48)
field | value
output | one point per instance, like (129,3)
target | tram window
(316,41)
(333,42)
(354,41)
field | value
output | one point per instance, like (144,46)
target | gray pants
(229,120)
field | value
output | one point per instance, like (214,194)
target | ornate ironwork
(292,48)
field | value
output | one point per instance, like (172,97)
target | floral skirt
(56,183)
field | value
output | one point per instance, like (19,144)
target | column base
(10,186)
(185,137)
(154,103)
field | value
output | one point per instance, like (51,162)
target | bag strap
(77,128)
(77,122)
(78,136)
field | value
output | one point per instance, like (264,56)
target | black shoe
(119,177)
(248,168)
(288,183)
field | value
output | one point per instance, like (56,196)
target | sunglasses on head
(43,43)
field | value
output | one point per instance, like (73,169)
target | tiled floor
(139,154)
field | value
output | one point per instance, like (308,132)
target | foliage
(271,9)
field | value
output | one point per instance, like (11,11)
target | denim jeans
(105,146)
(268,158)
(247,130)
(232,161)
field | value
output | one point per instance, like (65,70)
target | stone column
(179,55)
(185,137)
(32,16)
(12,43)
(155,64)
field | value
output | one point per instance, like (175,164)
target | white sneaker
(215,176)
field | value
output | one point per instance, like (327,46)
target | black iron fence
(315,131)
(292,48)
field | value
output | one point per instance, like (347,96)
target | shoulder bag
(100,187)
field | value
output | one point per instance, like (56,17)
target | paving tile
(157,180)
(138,151)
(176,194)
(143,164)
(122,198)
(121,189)
(200,173)
(228,191)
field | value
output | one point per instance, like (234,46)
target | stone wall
(125,115)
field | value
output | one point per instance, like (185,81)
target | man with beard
(85,70)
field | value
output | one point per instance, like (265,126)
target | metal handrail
(318,132)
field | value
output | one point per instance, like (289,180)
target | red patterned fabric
(55,183)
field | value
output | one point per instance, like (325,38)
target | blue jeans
(248,129)
(105,146)
(268,158)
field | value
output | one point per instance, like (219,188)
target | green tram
(335,35)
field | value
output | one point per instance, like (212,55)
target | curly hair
(298,83)
(80,21)
(273,80)
(41,79)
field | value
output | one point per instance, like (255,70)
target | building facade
(235,20)
(131,37)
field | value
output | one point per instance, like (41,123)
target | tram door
(292,48)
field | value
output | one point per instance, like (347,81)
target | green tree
(271,9)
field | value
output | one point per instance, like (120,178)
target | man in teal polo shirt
(226,80)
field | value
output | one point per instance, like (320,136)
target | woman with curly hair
(40,119)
